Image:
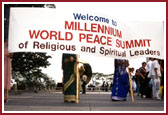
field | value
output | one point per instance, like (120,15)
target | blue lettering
(90,18)
(76,16)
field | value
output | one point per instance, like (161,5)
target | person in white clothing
(133,79)
(148,67)
(155,75)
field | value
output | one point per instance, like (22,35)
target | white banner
(83,32)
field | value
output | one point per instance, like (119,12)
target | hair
(143,63)
(150,58)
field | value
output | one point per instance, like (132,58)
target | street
(91,101)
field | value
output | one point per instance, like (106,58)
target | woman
(120,81)
(143,79)
(69,77)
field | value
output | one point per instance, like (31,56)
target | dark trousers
(84,87)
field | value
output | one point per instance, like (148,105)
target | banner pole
(130,82)
(77,79)
(8,74)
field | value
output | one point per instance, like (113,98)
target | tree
(28,65)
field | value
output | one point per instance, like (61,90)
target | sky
(124,11)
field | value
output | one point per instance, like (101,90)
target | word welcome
(90,18)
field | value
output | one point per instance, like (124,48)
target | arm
(156,73)
(161,69)
(141,75)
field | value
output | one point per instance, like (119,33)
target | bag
(148,75)
(151,83)
(134,85)
(157,81)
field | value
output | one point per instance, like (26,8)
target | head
(133,69)
(151,59)
(130,69)
(143,64)
(160,62)
(137,70)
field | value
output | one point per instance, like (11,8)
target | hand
(77,62)
(71,59)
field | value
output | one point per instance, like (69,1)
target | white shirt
(148,66)
(132,75)
(84,77)
(156,65)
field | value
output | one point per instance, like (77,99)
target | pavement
(91,101)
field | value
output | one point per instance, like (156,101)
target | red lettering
(148,41)
(86,27)
(79,27)
(59,36)
(129,44)
(53,34)
(69,26)
(119,34)
(103,43)
(96,39)
(42,34)
(68,36)
(34,34)
(81,36)
(109,41)
(93,27)
(118,43)
(89,37)
(138,44)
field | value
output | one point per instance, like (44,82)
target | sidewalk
(92,101)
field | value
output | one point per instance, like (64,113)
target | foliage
(26,68)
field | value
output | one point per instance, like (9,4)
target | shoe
(114,100)
(141,96)
(124,100)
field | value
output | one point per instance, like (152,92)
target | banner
(83,32)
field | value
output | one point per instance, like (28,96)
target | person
(103,85)
(87,71)
(106,86)
(137,79)
(84,78)
(111,85)
(161,62)
(148,67)
(69,77)
(133,79)
(121,81)
(85,75)
(143,80)
(148,78)
(155,75)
